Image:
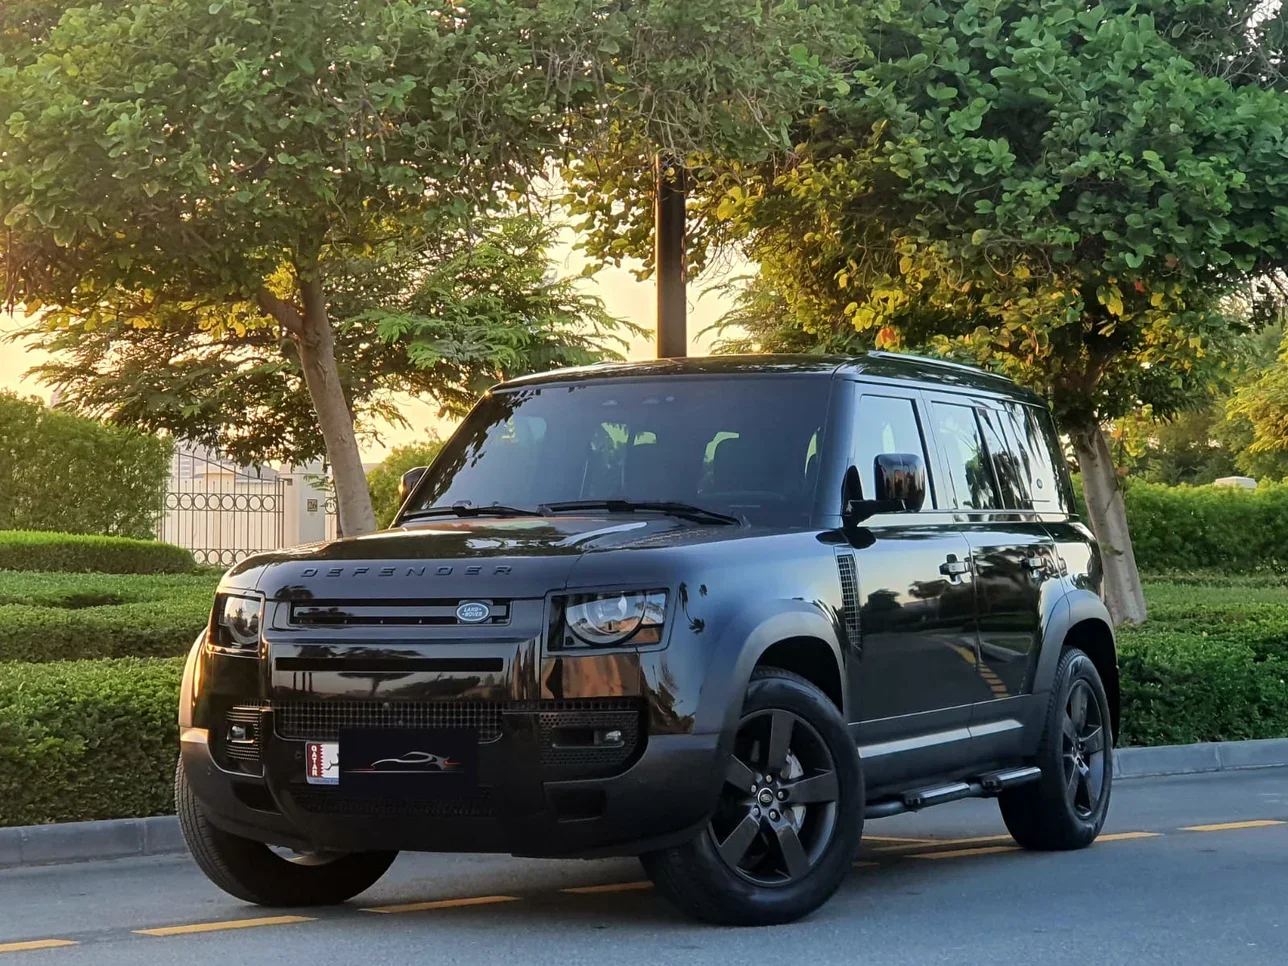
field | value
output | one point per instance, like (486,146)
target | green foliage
(77,553)
(60,617)
(64,472)
(263,157)
(442,322)
(1264,405)
(1200,528)
(1063,192)
(87,740)
(1211,664)
(383,480)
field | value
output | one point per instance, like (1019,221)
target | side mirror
(900,480)
(409,481)
(900,476)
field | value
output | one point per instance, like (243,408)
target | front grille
(328,802)
(394,613)
(323,720)
(849,596)
(243,751)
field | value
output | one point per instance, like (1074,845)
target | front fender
(741,645)
(190,686)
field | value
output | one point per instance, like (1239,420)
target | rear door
(1012,556)
(917,676)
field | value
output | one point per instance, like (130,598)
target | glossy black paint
(942,672)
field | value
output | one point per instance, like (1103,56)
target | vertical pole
(668,257)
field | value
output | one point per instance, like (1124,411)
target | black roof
(882,365)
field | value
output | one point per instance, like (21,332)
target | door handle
(952,567)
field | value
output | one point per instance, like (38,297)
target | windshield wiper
(465,508)
(686,511)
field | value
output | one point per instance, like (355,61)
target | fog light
(241,733)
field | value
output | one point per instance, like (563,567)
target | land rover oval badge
(473,611)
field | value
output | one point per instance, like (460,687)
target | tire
(1066,808)
(253,872)
(762,878)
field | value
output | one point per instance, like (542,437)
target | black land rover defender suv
(711,612)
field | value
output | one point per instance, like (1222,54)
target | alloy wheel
(1083,747)
(778,807)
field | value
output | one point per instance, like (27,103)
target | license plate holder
(424,763)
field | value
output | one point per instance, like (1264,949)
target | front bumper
(662,796)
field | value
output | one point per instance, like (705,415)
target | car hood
(488,557)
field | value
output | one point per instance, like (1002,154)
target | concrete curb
(33,845)
(84,841)
(1199,758)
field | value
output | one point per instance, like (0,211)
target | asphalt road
(1153,890)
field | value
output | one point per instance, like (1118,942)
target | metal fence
(221,512)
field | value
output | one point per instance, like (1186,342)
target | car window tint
(1008,463)
(1043,474)
(963,449)
(887,424)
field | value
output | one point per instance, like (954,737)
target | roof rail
(932,360)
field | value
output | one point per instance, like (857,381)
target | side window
(972,478)
(887,424)
(1038,442)
(1008,461)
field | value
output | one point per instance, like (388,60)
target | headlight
(604,620)
(237,621)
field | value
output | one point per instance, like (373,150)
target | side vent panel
(849,596)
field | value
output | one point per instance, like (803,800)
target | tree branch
(287,315)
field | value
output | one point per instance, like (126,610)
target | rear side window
(965,457)
(1036,435)
(888,424)
(1009,461)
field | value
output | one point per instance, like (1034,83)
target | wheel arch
(1082,621)
(793,635)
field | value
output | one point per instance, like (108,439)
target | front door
(917,676)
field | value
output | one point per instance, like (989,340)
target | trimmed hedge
(60,471)
(87,740)
(60,617)
(1220,528)
(80,553)
(1210,664)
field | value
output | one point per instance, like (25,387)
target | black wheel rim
(777,810)
(1084,750)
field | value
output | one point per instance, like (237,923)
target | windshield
(745,446)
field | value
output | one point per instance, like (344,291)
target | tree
(1062,192)
(1264,406)
(197,155)
(383,479)
(485,305)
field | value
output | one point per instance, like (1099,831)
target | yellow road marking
(227,924)
(893,838)
(1226,826)
(953,853)
(611,887)
(442,904)
(940,842)
(34,944)
(1124,836)
(865,865)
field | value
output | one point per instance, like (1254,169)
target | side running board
(983,786)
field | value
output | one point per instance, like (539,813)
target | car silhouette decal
(422,761)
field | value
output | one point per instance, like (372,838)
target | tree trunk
(312,334)
(1122,591)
